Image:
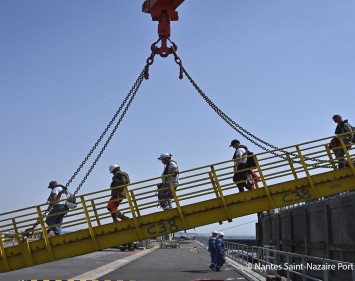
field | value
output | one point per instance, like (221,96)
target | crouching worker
(164,192)
(117,194)
(58,209)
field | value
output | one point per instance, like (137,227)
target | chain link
(246,134)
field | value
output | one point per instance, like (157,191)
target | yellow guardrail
(205,195)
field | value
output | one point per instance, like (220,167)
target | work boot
(167,205)
(164,205)
(122,216)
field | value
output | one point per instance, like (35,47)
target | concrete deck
(190,262)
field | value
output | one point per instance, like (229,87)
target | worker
(212,249)
(164,192)
(342,127)
(57,209)
(220,255)
(241,177)
(117,194)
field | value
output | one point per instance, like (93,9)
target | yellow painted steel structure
(205,195)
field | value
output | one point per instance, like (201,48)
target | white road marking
(105,269)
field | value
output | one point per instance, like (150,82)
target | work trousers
(57,220)
(243,177)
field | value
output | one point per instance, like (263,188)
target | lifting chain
(246,134)
(130,96)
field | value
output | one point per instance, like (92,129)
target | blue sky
(278,68)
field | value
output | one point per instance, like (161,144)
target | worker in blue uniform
(212,249)
(220,255)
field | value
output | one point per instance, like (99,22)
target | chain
(128,100)
(131,95)
(177,58)
(246,134)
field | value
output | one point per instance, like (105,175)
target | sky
(279,68)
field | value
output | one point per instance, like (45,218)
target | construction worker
(58,209)
(221,255)
(164,191)
(241,177)
(342,127)
(117,194)
(212,249)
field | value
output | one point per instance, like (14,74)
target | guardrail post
(221,196)
(267,190)
(95,212)
(135,220)
(23,244)
(331,159)
(288,270)
(290,162)
(236,252)
(325,272)
(227,248)
(172,189)
(304,269)
(134,202)
(3,254)
(213,184)
(91,230)
(44,233)
(245,253)
(346,154)
(314,191)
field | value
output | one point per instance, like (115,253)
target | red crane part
(156,7)
(164,12)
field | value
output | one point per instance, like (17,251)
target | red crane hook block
(164,12)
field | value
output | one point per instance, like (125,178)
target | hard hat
(164,155)
(113,167)
(221,234)
(214,232)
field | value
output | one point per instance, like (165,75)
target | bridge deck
(205,195)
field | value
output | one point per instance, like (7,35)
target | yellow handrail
(201,184)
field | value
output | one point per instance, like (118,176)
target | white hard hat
(164,155)
(214,232)
(113,167)
(221,234)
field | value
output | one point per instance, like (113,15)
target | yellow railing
(196,185)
